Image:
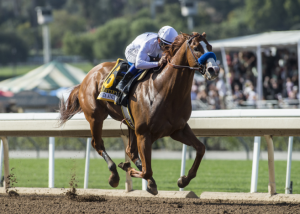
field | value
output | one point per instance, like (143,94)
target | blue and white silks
(132,68)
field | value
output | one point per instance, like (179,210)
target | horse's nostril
(211,70)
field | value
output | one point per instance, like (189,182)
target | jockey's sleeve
(142,58)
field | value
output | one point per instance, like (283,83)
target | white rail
(87,163)
(289,166)
(263,122)
(51,161)
(255,162)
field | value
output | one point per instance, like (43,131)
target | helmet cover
(167,34)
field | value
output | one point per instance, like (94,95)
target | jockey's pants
(132,68)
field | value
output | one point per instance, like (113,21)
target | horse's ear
(195,33)
(185,34)
(204,34)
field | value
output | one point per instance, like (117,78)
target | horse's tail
(71,107)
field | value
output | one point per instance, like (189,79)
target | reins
(200,68)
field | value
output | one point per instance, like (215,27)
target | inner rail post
(1,158)
(255,163)
(183,159)
(272,185)
(6,161)
(288,168)
(51,161)
(128,183)
(87,163)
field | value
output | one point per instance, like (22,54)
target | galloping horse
(160,105)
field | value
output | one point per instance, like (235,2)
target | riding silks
(109,92)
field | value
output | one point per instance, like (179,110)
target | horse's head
(199,53)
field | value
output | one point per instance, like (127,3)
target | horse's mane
(174,47)
(179,40)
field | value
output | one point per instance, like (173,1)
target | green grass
(213,175)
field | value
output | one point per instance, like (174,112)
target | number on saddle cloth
(108,90)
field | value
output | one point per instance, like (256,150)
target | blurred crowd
(280,81)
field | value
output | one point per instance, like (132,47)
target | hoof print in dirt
(12,193)
(90,198)
(71,195)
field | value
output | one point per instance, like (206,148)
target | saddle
(111,94)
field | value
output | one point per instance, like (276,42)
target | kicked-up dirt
(72,203)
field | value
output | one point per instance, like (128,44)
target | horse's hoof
(124,166)
(114,180)
(151,187)
(152,191)
(183,181)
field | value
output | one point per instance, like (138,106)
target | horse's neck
(178,81)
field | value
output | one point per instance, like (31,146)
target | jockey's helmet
(167,35)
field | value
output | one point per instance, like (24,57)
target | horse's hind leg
(96,111)
(98,145)
(187,137)
(132,152)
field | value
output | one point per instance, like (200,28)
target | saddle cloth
(109,92)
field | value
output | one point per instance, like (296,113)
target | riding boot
(127,77)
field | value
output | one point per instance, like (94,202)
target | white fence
(257,123)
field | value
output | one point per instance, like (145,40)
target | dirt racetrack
(99,204)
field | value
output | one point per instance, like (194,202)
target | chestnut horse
(160,105)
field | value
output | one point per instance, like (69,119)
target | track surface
(96,204)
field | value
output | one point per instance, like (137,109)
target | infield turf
(213,175)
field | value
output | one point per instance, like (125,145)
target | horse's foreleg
(144,144)
(132,152)
(187,137)
(98,145)
(143,164)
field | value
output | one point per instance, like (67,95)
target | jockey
(143,49)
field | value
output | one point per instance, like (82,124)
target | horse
(160,106)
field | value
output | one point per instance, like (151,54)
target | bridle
(200,68)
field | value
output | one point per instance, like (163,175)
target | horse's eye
(196,49)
